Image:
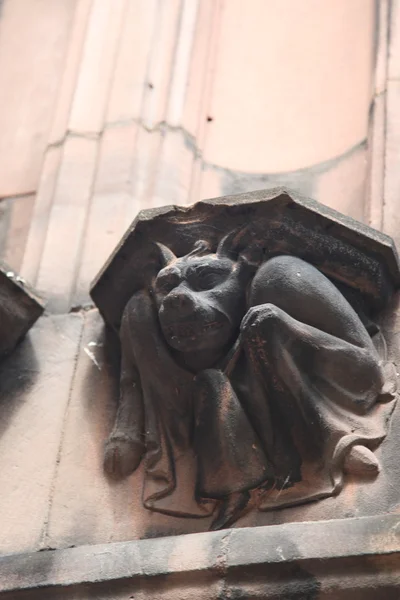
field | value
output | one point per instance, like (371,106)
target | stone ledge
(314,559)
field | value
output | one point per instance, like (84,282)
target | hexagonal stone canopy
(284,222)
(20,307)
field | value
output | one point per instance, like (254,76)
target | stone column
(147,103)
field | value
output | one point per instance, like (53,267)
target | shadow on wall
(18,374)
(107,357)
(339,182)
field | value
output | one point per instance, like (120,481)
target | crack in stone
(44,541)
(163,127)
(221,563)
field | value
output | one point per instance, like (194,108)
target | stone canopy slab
(281,220)
(20,307)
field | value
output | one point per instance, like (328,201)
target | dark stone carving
(253,373)
(20,307)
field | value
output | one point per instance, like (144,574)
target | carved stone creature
(245,381)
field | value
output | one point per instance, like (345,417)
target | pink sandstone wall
(110,106)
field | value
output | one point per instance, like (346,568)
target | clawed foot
(230,510)
(122,455)
(258,315)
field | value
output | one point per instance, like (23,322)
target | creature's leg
(125,445)
(298,357)
(305,371)
(315,315)
(313,355)
(319,387)
(308,296)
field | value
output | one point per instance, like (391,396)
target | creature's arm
(125,445)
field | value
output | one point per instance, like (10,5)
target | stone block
(130,75)
(70,73)
(60,255)
(394,41)
(41,214)
(275,115)
(96,68)
(161,65)
(376,163)
(20,307)
(35,384)
(16,214)
(391,219)
(290,562)
(202,63)
(385,14)
(180,71)
(33,44)
(111,205)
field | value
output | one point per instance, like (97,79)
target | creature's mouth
(191,330)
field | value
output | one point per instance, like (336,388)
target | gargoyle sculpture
(246,380)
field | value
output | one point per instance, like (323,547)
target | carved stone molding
(254,372)
(292,561)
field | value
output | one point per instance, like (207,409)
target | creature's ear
(252,256)
(235,246)
(165,254)
(228,246)
(200,248)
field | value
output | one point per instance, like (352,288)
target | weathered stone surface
(111,203)
(15,216)
(86,506)
(160,68)
(394,52)
(298,110)
(96,67)
(342,186)
(130,73)
(33,44)
(20,307)
(335,560)
(66,224)
(35,384)
(70,72)
(39,221)
(391,220)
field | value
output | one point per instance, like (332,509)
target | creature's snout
(180,303)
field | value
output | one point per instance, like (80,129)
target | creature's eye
(206,279)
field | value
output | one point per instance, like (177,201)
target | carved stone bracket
(20,307)
(254,373)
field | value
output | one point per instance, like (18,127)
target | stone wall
(111,106)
